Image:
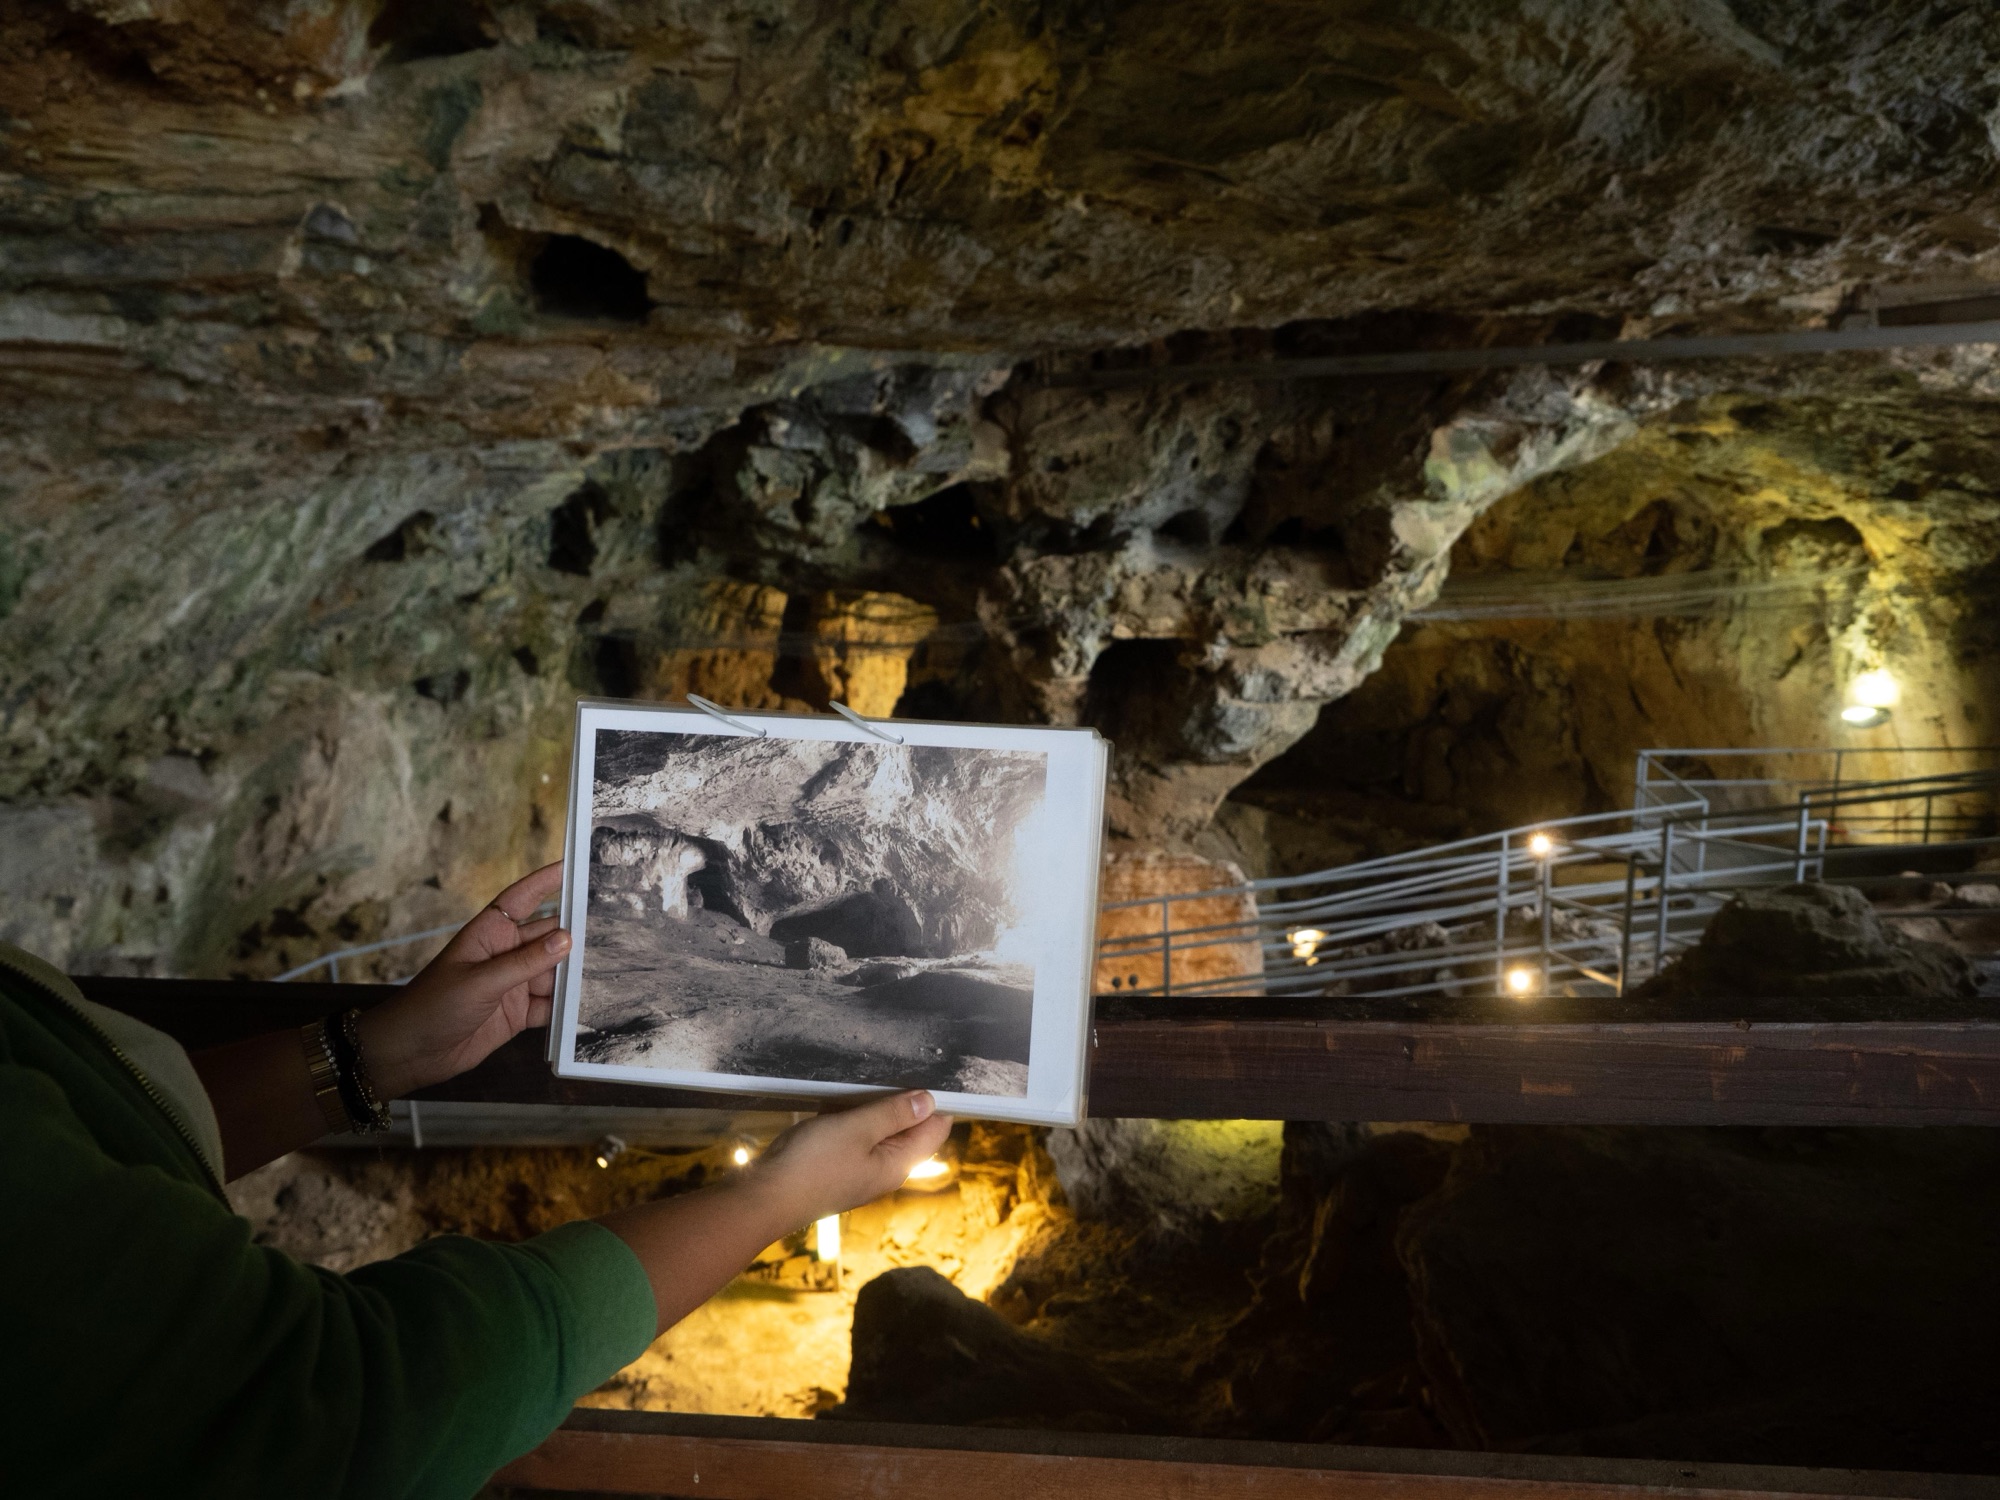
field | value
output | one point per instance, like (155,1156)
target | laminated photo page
(807,906)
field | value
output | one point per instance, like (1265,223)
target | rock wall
(381,376)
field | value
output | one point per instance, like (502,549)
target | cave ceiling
(381,376)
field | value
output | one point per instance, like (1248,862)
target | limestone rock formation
(381,376)
(1822,943)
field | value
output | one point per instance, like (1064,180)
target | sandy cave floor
(762,1350)
(731,1006)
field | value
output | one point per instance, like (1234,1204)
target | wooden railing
(1558,1061)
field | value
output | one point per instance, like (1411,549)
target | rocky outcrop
(1787,1296)
(1818,943)
(925,1352)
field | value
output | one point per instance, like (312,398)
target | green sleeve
(152,1348)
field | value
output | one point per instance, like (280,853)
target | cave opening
(573,277)
(864,924)
(957,524)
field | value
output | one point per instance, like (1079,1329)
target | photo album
(805,905)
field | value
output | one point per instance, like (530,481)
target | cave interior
(384,375)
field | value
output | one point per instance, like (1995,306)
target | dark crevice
(614,662)
(416,29)
(412,536)
(959,524)
(573,529)
(572,277)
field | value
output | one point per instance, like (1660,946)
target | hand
(492,981)
(835,1162)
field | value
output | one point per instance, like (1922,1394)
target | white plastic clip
(716,713)
(862,724)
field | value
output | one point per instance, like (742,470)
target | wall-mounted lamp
(1870,698)
(1541,845)
(1305,944)
(609,1149)
(741,1155)
(1520,981)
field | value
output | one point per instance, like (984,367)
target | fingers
(880,1119)
(522,965)
(540,927)
(539,1011)
(521,898)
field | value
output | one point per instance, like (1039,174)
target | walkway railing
(1585,905)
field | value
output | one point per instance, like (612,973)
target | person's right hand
(835,1162)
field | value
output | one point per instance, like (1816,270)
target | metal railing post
(1548,889)
(1500,917)
(1166,945)
(1805,822)
(1666,876)
(333,970)
(1625,941)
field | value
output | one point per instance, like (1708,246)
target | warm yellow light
(1875,689)
(1539,845)
(826,1237)
(926,1169)
(1520,980)
(609,1149)
(741,1156)
(1305,942)
(1863,717)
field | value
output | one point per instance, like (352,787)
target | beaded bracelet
(369,1114)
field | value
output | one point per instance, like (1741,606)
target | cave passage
(865,925)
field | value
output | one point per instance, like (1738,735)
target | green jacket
(148,1347)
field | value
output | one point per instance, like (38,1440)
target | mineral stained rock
(1823,943)
(380,377)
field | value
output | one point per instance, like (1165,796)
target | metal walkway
(1586,905)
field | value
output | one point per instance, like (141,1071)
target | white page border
(1059,1029)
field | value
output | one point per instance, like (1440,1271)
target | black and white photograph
(829,910)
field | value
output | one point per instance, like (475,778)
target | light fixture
(826,1238)
(741,1156)
(1541,845)
(1870,697)
(926,1169)
(1305,944)
(1520,980)
(609,1149)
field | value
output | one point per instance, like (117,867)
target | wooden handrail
(771,1458)
(1562,1062)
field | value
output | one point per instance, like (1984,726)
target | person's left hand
(492,981)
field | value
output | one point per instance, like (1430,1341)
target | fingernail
(556,942)
(921,1104)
